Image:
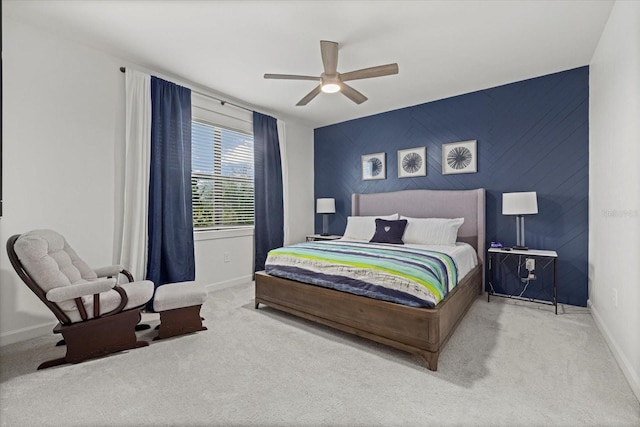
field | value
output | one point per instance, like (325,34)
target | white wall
(61,124)
(298,184)
(223,258)
(63,134)
(614,175)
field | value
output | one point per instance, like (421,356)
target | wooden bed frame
(421,331)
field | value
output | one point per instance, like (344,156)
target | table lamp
(325,206)
(519,204)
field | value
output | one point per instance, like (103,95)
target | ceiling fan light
(330,87)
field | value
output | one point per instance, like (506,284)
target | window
(221,176)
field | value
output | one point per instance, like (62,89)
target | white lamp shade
(326,206)
(525,203)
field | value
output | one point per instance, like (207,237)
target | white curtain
(285,178)
(133,253)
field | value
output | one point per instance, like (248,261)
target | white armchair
(97,315)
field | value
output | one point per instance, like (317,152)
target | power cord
(524,280)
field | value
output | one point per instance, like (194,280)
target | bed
(417,330)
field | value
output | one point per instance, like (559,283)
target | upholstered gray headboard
(467,204)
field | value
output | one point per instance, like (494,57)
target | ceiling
(443,48)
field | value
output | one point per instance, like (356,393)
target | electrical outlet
(614,297)
(531,264)
(226,257)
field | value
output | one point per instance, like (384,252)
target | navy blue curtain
(170,256)
(269,211)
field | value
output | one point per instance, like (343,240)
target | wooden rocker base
(180,321)
(98,337)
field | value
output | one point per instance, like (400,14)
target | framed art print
(374,166)
(460,157)
(412,162)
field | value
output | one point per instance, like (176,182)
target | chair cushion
(178,295)
(138,293)
(51,262)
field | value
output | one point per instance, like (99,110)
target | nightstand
(316,237)
(518,281)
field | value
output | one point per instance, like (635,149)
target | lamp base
(519,248)
(325,225)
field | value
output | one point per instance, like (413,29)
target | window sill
(199,235)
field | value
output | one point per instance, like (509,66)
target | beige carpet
(507,364)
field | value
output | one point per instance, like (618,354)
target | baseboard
(627,368)
(24,334)
(212,287)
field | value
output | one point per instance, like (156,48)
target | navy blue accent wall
(532,136)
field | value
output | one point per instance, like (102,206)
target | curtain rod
(222,101)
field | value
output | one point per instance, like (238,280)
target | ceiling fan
(332,81)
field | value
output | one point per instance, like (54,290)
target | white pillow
(432,231)
(363,227)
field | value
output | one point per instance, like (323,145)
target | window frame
(221,229)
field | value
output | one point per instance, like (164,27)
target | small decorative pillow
(363,227)
(432,231)
(389,231)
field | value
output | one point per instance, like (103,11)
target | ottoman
(179,307)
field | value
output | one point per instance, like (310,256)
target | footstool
(179,307)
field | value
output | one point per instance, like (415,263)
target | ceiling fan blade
(308,97)
(290,77)
(329,51)
(352,94)
(366,73)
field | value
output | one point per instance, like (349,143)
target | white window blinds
(221,176)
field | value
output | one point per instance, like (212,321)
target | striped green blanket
(396,273)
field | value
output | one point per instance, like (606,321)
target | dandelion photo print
(460,157)
(412,162)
